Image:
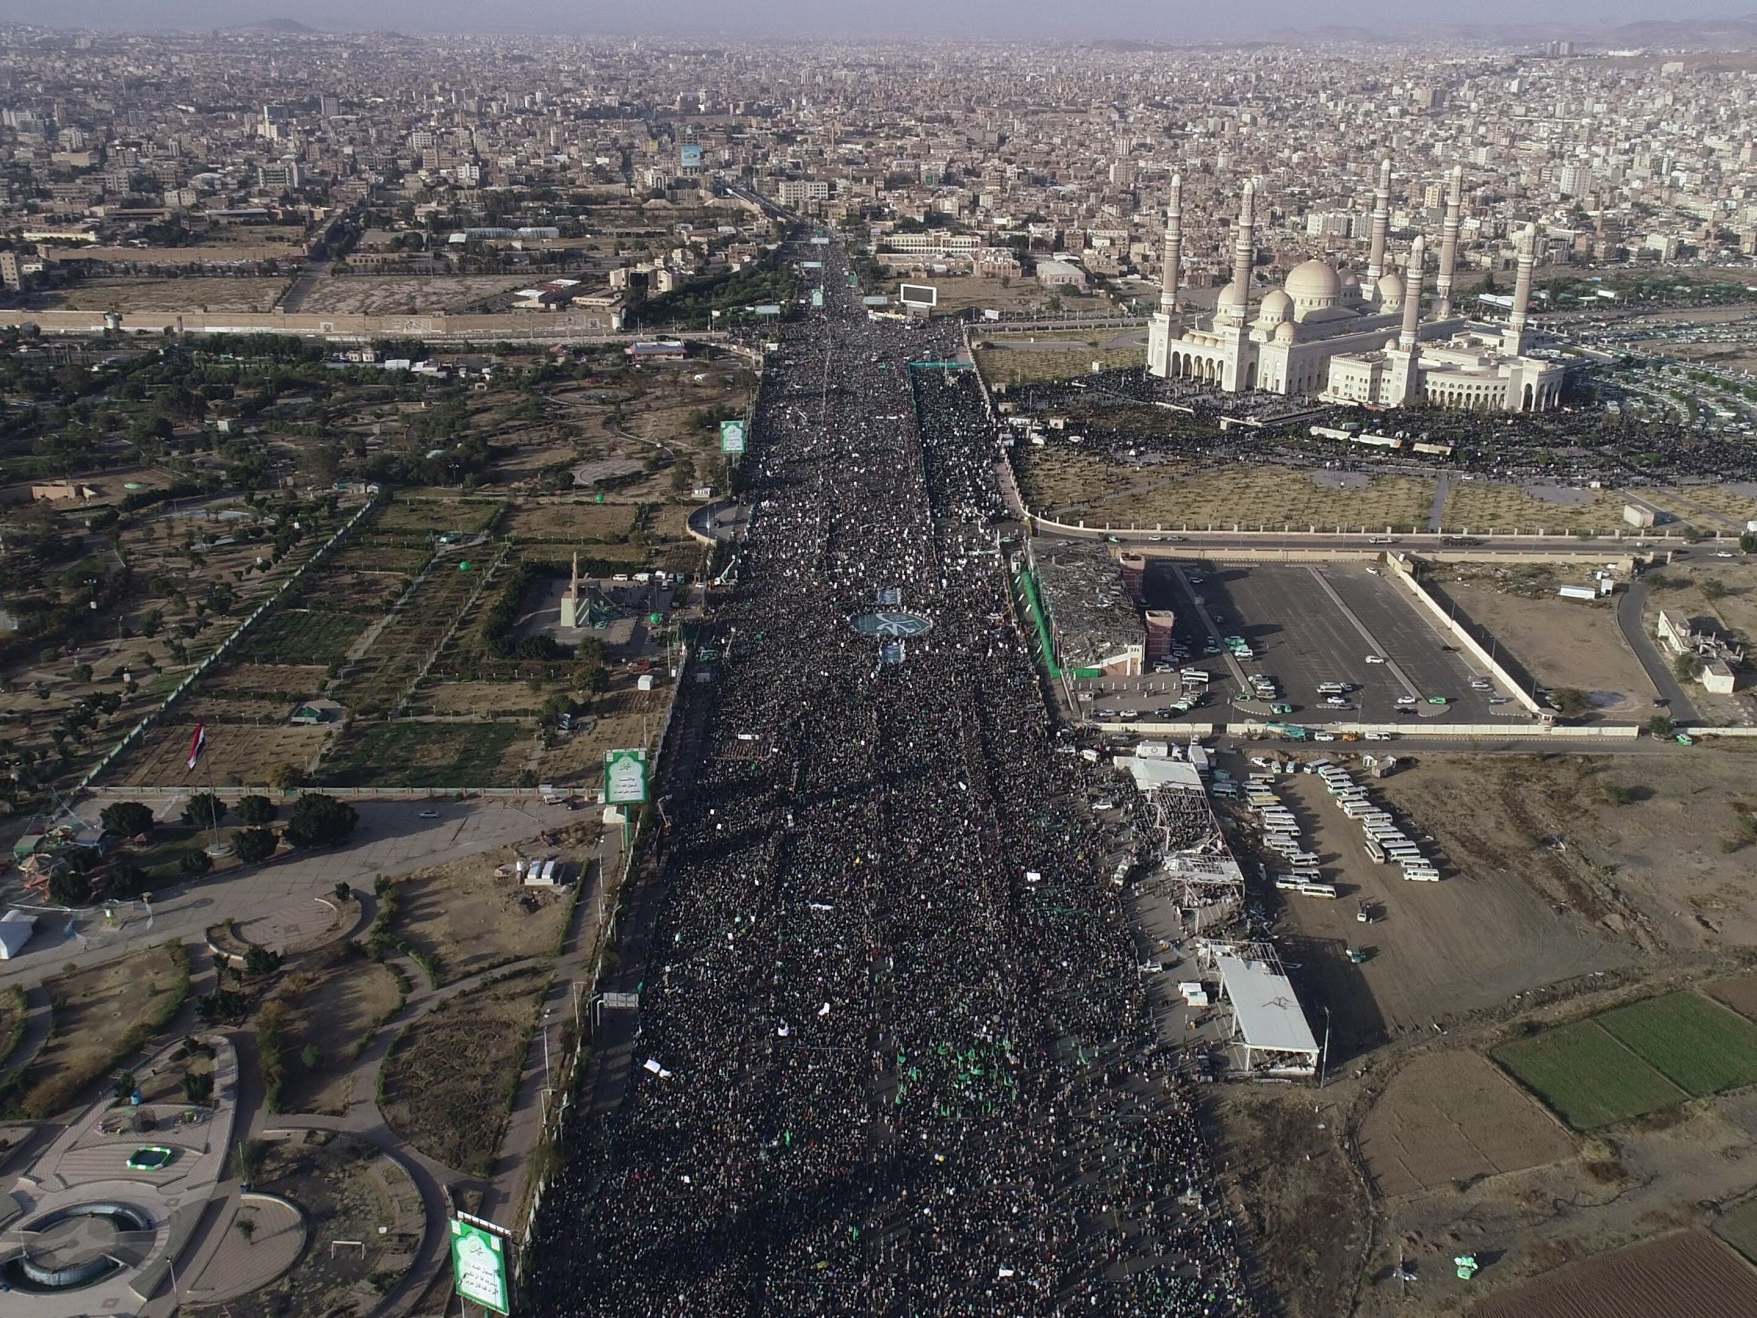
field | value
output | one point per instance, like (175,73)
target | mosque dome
(1276,307)
(1391,290)
(1232,298)
(1284,332)
(1313,285)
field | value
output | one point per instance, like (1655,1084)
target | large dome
(1313,281)
(1391,291)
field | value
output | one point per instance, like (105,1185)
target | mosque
(1342,340)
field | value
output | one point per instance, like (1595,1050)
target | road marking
(1395,668)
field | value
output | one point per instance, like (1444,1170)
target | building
(573,598)
(1352,340)
(1061,274)
(796,191)
(278,176)
(12,275)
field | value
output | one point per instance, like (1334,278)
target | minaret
(1174,248)
(1449,245)
(1406,339)
(1381,226)
(1514,339)
(1244,250)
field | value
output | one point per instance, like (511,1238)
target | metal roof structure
(1266,1013)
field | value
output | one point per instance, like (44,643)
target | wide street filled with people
(894,1055)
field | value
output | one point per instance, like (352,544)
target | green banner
(478,1267)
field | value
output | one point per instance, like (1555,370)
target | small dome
(1391,290)
(1276,307)
(1232,298)
(1284,332)
(1313,281)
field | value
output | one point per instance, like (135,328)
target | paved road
(1184,541)
(1659,672)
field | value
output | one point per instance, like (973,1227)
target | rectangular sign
(768,309)
(918,295)
(817,297)
(732,437)
(625,777)
(879,301)
(478,1267)
(811,265)
(820,242)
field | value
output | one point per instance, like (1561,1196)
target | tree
(195,863)
(309,1056)
(285,777)
(320,821)
(127,818)
(1570,702)
(256,809)
(205,810)
(82,673)
(255,845)
(198,1088)
(1748,542)
(1660,725)
(259,961)
(68,887)
(1688,667)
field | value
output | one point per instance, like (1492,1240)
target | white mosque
(1340,340)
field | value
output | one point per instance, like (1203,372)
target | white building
(1328,336)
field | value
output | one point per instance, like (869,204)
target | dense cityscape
(657,676)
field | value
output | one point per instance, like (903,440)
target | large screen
(918,295)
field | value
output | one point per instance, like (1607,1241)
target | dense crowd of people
(893,1053)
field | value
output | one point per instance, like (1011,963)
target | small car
(1375,658)
(429,814)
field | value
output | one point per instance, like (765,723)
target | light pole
(1324,1054)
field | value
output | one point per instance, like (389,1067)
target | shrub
(255,845)
(256,809)
(127,818)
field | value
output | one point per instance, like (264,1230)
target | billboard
(625,777)
(811,265)
(767,309)
(879,301)
(918,295)
(478,1267)
(732,437)
(817,297)
(690,156)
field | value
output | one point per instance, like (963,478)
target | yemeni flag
(197,744)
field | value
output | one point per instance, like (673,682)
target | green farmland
(1698,1045)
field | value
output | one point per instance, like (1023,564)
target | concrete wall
(1398,566)
(1401,731)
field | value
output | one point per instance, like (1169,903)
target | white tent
(16,929)
(1267,1018)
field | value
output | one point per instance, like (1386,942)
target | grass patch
(1698,1045)
(424,755)
(1738,1228)
(12,1013)
(304,636)
(1587,1077)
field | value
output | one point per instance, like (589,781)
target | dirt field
(466,919)
(481,698)
(291,680)
(1560,642)
(1305,1212)
(957,292)
(571,522)
(1482,506)
(242,758)
(1686,1275)
(305,637)
(1451,1116)
(1054,355)
(334,1006)
(97,1015)
(247,293)
(1440,951)
(1670,869)
(621,718)
(449,1084)
(1740,994)
(368,295)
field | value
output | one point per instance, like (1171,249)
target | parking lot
(1307,626)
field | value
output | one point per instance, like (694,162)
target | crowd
(893,1055)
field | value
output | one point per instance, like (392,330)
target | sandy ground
(466,918)
(247,293)
(334,1006)
(367,295)
(242,756)
(1563,643)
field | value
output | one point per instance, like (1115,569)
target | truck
(1292,731)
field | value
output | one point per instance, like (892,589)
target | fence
(1398,565)
(177,693)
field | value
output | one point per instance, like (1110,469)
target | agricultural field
(1698,1045)
(1451,1116)
(317,636)
(235,757)
(449,1081)
(1738,1227)
(98,1016)
(571,523)
(1689,1274)
(406,516)
(419,754)
(615,719)
(1478,506)
(291,681)
(375,682)
(209,293)
(368,553)
(1739,993)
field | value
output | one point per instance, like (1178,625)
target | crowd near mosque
(893,1053)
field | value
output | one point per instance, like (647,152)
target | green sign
(478,1267)
(625,777)
(732,437)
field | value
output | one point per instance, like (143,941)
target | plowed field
(1687,1275)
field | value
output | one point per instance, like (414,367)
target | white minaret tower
(1412,280)
(1244,249)
(1381,226)
(1404,382)
(1514,339)
(1174,249)
(1449,244)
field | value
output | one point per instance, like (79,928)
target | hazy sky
(1162,20)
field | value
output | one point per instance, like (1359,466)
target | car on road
(1377,736)
(1375,658)
(1406,700)
(1500,700)
(430,814)
(1323,736)
(1481,684)
(1724,553)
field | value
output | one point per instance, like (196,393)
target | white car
(1324,736)
(1375,658)
(1724,553)
(1481,684)
(430,814)
(1406,700)
(1377,736)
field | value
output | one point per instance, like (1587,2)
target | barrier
(1398,564)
